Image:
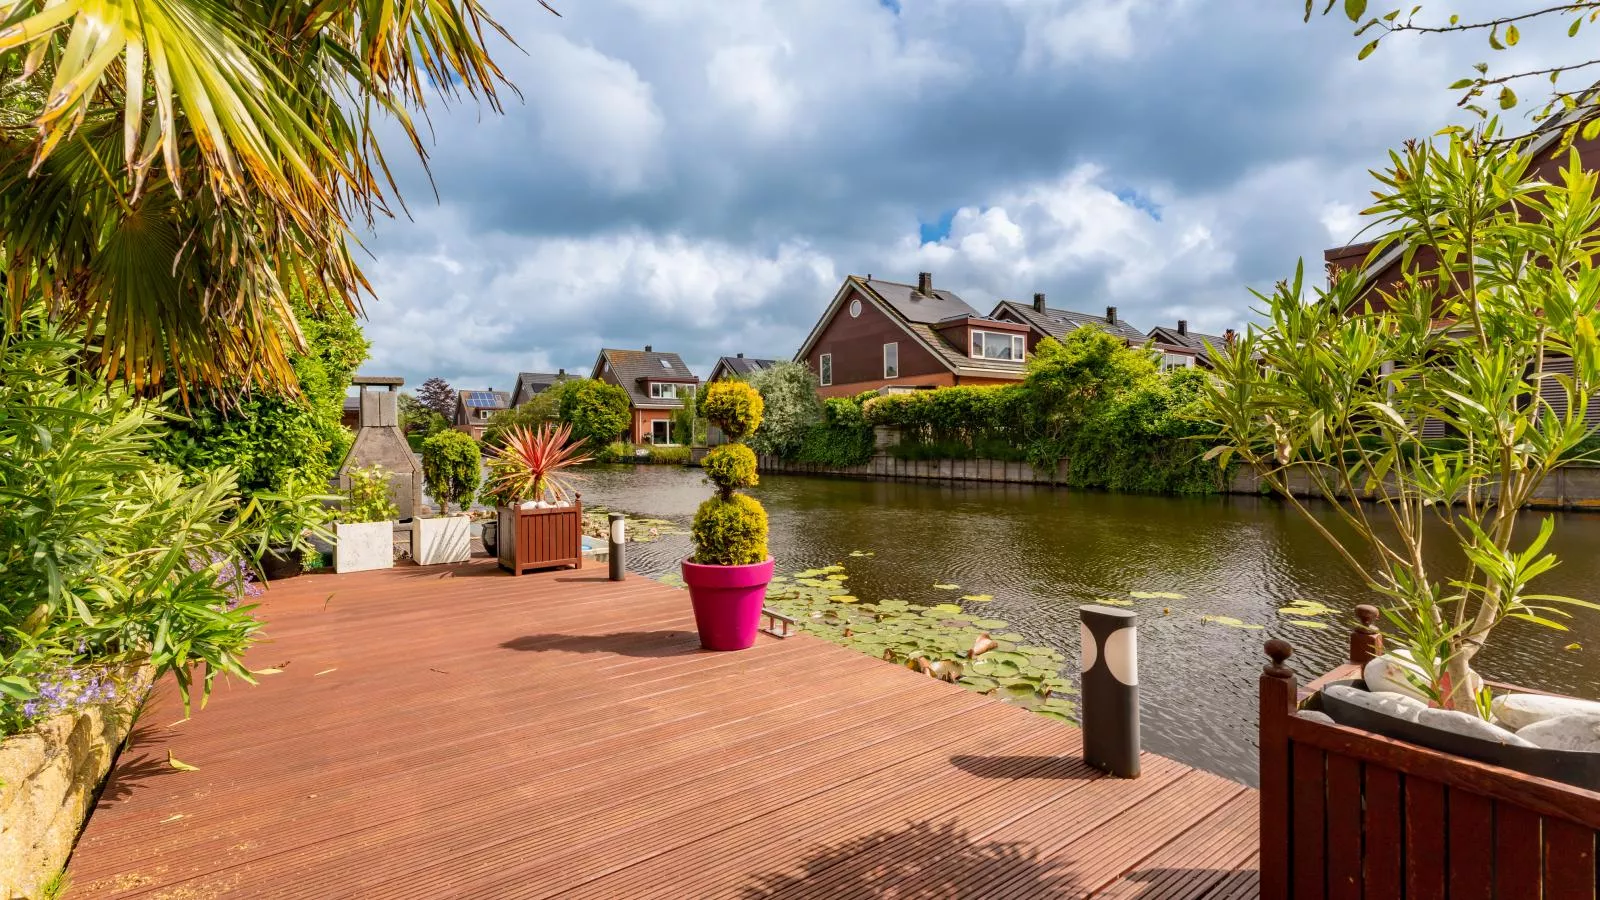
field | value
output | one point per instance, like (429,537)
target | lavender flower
(70,690)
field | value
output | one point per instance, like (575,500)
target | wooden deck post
(1366,642)
(1278,702)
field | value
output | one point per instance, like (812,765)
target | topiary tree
(452,467)
(730,529)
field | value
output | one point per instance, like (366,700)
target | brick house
(473,409)
(886,336)
(1044,321)
(532,384)
(739,366)
(1182,348)
(656,384)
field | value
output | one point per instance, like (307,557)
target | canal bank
(1576,487)
(1233,561)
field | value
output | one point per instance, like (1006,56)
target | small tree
(598,411)
(789,391)
(1068,380)
(1492,348)
(730,529)
(452,467)
(544,408)
(437,395)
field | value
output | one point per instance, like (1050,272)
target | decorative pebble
(1576,732)
(1315,716)
(1387,674)
(1469,725)
(1518,711)
(1398,706)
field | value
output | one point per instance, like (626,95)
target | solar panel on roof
(481,399)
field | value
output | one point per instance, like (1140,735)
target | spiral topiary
(730,529)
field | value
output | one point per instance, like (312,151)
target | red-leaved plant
(532,463)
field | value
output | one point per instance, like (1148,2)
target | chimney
(1038,303)
(1111,315)
(560,372)
(648,348)
(1227,337)
(741,356)
(925,284)
(1183,328)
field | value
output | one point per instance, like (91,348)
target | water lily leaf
(1307,624)
(1305,608)
(1231,622)
(1156,595)
(978,598)
(844,598)
(1114,601)
(945,609)
(1010,637)
(862,553)
(983,684)
(947,587)
(991,624)
(838,576)
(1056,714)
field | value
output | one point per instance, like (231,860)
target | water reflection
(1042,552)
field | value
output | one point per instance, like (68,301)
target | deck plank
(458,733)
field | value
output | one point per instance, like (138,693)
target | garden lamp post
(1110,701)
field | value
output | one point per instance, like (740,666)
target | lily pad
(1156,595)
(1114,601)
(1305,608)
(978,598)
(1231,622)
(1306,623)
(844,598)
(947,587)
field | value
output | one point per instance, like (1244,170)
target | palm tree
(169,167)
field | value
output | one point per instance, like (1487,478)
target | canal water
(1042,552)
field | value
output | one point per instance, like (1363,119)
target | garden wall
(885,466)
(1573,487)
(48,779)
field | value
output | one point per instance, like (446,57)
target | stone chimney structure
(379,441)
(1038,303)
(925,284)
(1111,315)
(1183,327)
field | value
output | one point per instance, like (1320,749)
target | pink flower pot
(727,602)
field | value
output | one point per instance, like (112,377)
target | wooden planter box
(1349,813)
(540,538)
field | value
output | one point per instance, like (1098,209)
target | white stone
(1387,674)
(1398,706)
(1518,711)
(1315,716)
(446,539)
(362,546)
(1576,732)
(1468,725)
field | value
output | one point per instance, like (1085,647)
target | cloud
(699,175)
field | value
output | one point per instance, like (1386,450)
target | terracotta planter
(727,602)
(279,563)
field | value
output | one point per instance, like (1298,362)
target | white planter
(362,546)
(447,539)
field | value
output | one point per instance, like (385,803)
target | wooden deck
(460,733)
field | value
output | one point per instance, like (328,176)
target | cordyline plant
(1447,397)
(532,464)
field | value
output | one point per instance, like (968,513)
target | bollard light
(619,539)
(1109,704)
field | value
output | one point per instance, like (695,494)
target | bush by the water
(1103,406)
(842,438)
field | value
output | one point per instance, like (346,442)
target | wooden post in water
(1278,700)
(1366,642)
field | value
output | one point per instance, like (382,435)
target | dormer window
(997,345)
(667,390)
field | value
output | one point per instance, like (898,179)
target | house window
(891,360)
(661,432)
(483,413)
(825,369)
(669,391)
(855,308)
(1176,361)
(997,345)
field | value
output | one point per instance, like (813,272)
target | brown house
(1182,348)
(473,409)
(532,384)
(739,366)
(886,336)
(656,383)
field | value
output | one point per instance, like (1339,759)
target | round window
(855,308)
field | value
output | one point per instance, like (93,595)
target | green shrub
(107,555)
(544,407)
(597,410)
(730,531)
(731,466)
(453,467)
(789,392)
(842,438)
(614,452)
(669,456)
(367,498)
(734,407)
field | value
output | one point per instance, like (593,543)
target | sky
(701,175)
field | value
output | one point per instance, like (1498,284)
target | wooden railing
(1350,814)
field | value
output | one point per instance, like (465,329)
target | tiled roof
(629,366)
(919,315)
(1058,323)
(743,365)
(958,357)
(1194,340)
(530,384)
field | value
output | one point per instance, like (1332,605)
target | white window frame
(1170,361)
(825,369)
(1019,344)
(667,427)
(896,367)
(669,390)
